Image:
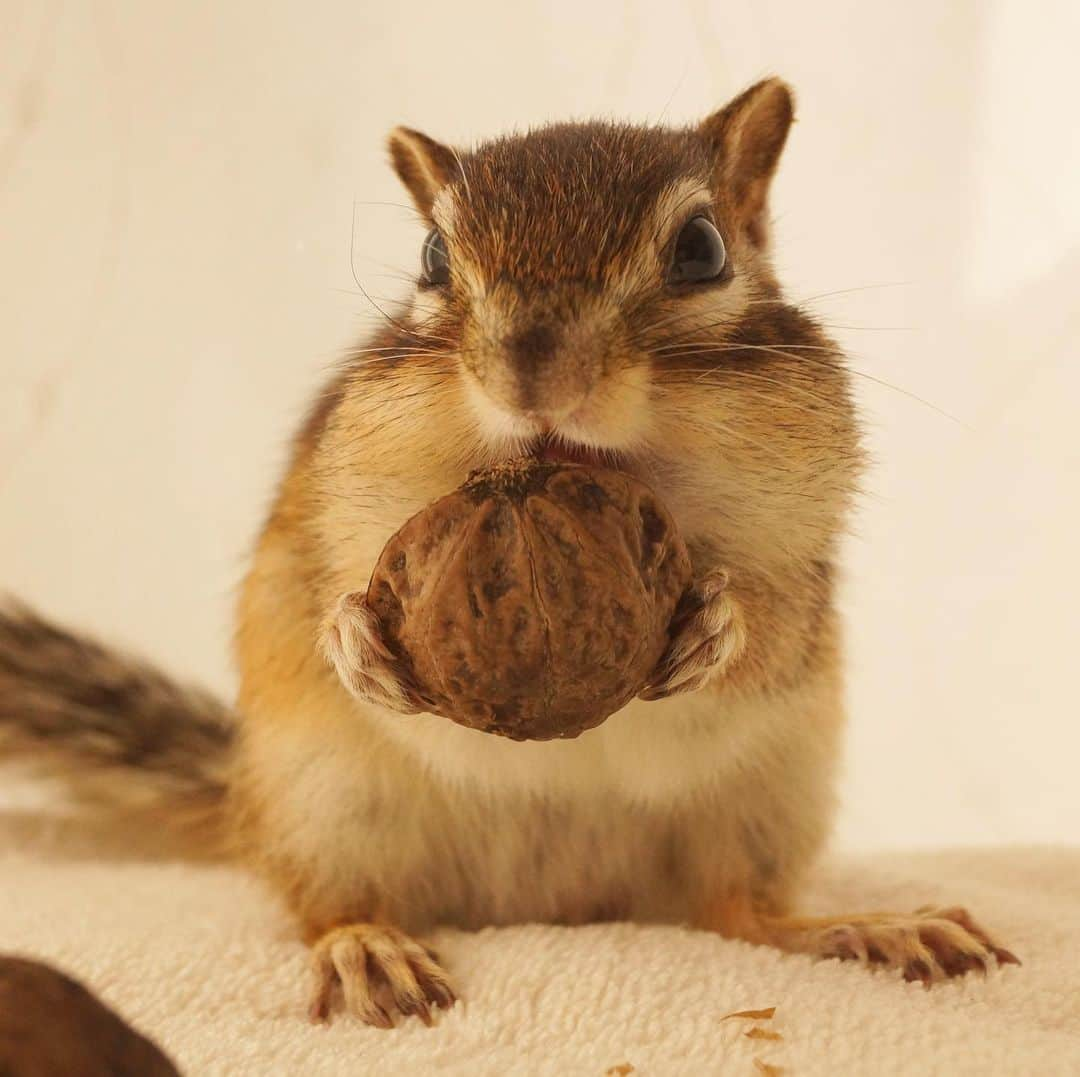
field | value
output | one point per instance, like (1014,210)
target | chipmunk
(588,292)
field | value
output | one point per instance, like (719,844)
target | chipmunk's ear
(423,165)
(745,139)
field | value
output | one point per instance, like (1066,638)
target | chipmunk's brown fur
(707,800)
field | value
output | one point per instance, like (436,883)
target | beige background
(177,186)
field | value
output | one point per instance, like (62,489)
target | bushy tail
(111,728)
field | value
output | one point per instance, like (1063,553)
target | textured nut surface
(50,1024)
(534,601)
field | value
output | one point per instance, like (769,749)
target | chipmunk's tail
(115,732)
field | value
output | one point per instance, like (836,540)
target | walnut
(50,1024)
(534,601)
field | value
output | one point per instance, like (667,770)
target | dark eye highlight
(435,259)
(699,253)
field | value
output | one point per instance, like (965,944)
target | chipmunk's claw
(708,636)
(366,960)
(929,945)
(353,644)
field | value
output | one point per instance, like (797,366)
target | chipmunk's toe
(706,640)
(929,945)
(353,644)
(380,971)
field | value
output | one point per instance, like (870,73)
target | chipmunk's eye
(434,258)
(699,253)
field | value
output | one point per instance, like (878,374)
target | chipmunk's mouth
(558,450)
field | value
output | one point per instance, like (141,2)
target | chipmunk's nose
(538,359)
(536,384)
(537,374)
(530,348)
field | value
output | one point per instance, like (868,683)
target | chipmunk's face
(596,292)
(569,257)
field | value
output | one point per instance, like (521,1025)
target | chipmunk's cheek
(498,426)
(425,305)
(616,414)
(691,322)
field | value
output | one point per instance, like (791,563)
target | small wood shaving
(769,1071)
(621,1070)
(756,1015)
(762,1034)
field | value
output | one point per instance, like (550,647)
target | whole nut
(534,601)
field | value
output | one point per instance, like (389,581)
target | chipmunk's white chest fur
(649,752)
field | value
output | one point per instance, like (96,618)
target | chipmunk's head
(604,292)
(561,259)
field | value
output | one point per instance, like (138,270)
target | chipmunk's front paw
(707,637)
(353,644)
(380,971)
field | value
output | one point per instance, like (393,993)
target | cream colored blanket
(203,960)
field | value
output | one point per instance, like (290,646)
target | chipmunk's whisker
(807,300)
(788,352)
(644,331)
(755,381)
